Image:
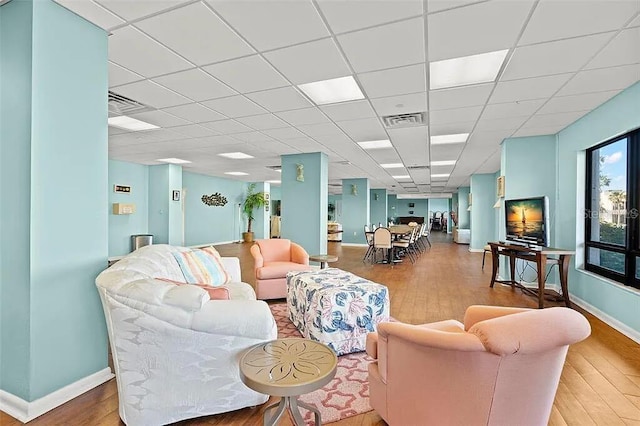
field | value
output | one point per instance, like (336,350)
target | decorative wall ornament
(215,200)
(300,172)
(354,189)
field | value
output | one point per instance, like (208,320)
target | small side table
(323,259)
(288,368)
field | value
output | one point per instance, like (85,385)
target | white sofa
(174,350)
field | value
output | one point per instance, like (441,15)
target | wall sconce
(354,190)
(499,191)
(300,172)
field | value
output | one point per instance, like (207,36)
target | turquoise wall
(355,210)
(304,204)
(165,215)
(260,226)
(464,216)
(121,227)
(205,224)
(175,221)
(483,190)
(15,179)
(378,212)
(617,116)
(439,205)
(56,163)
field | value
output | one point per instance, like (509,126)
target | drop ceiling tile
(306,145)
(635,22)
(119,75)
(131,10)
(456,115)
(440,5)
(601,80)
(252,137)
(554,20)
(248,74)
(318,131)
(547,120)
(411,144)
(279,148)
(354,15)
(92,12)
(588,101)
(196,33)
(195,112)
(489,138)
(126,44)
(304,116)
(504,19)
(446,152)
(506,123)
(552,58)
(274,24)
(234,106)
(283,99)
(531,88)
(394,82)
(227,127)
(538,131)
(459,97)
(451,128)
(512,109)
(624,49)
(416,102)
(366,129)
(309,62)
(195,131)
(285,133)
(263,122)
(387,46)
(115,131)
(195,84)
(151,94)
(160,118)
(349,110)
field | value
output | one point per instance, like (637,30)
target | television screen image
(527,220)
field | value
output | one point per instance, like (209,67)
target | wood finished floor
(600,383)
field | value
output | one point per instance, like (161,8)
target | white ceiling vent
(404,120)
(122,105)
(274,167)
(418,167)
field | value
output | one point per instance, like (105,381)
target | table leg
(494,264)
(512,266)
(542,265)
(564,274)
(280,409)
(295,412)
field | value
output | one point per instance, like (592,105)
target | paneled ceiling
(222,76)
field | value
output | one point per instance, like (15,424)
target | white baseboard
(355,244)
(472,250)
(26,411)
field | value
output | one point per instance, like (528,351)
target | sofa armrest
(477,313)
(241,318)
(258,260)
(299,255)
(232,266)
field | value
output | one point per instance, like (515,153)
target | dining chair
(369,237)
(382,241)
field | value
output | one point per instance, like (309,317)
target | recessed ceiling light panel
(440,175)
(443,163)
(332,91)
(401,177)
(392,165)
(236,173)
(128,123)
(466,70)
(236,155)
(444,139)
(376,144)
(173,160)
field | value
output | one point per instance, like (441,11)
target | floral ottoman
(336,307)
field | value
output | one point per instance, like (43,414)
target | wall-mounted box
(124,208)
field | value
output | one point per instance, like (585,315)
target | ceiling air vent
(418,167)
(119,104)
(404,120)
(274,167)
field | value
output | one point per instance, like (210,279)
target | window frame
(631,247)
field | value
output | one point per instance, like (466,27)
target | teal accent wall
(205,224)
(378,212)
(392,207)
(464,215)
(304,204)
(454,206)
(15,179)
(121,227)
(439,205)
(165,215)
(56,127)
(617,116)
(261,224)
(176,229)
(276,192)
(483,190)
(355,210)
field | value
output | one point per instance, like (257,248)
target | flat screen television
(527,221)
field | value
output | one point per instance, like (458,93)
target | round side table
(323,259)
(288,368)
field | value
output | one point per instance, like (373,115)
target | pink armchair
(501,367)
(272,260)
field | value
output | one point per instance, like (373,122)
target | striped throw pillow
(202,266)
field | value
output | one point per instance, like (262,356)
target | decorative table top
(288,367)
(323,258)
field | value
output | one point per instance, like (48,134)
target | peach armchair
(501,367)
(272,260)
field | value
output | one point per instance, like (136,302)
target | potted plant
(254,200)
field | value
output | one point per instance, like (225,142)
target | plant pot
(247,237)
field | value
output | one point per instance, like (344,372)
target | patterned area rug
(347,394)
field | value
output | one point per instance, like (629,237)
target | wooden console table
(540,257)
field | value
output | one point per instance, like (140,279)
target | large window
(613,205)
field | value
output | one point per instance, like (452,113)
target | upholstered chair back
(275,250)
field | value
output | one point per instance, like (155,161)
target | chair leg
(484,253)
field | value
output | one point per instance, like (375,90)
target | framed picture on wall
(412,205)
(410,211)
(500,186)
